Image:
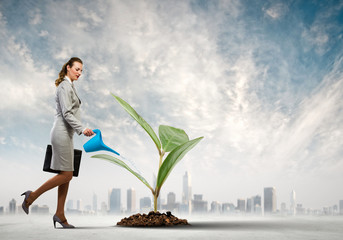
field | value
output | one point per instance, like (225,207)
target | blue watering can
(96,144)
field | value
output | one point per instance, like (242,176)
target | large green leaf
(173,158)
(140,120)
(122,164)
(171,137)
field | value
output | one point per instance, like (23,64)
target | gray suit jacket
(68,106)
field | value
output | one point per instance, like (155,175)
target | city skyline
(260,80)
(187,204)
(243,206)
(179,195)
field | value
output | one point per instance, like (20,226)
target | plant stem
(155,202)
(161,157)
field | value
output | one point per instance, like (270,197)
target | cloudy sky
(262,81)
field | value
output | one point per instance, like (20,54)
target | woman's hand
(88,132)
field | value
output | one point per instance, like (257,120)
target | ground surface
(205,227)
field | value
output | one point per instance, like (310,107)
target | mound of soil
(153,219)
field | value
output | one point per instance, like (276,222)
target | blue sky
(261,80)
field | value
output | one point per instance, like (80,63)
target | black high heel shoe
(56,219)
(23,205)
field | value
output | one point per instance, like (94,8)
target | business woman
(66,123)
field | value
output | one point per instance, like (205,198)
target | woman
(67,122)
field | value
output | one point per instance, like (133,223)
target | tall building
(40,209)
(12,206)
(292,206)
(228,208)
(300,210)
(198,204)
(171,201)
(216,207)
(341,207)
(131,200)
(145,204)
(79,205)
(250,208)
(241,205)
(186,189)
(95,203)
(269,200)
(114,200)
(70,204)
(257,204)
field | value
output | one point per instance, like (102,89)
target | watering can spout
(96,144)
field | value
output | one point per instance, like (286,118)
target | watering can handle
(96,131)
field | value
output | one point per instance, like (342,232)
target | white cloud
(23,144)
(35,17)
(43,33)
(317,35)
(82,25)
(2,22)
(196,69)
(63,53)
(90,15)
(276,11)
(25,83)
(188,80)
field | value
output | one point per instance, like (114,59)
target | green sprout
(172,140)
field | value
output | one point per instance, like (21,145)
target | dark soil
(153,219)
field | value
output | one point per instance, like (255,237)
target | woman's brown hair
(63,71)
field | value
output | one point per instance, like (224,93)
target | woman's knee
(67,175)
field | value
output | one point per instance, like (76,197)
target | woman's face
(75,71)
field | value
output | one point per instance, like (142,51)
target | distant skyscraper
(228,208)
(40,209)
(131,200)
(114,200)
(216,207)
(250,207)
(171,198)
(292,206)
(257,204)
(79,205)
(341,207)
(95,203)
(70,204)
(186,189)
(241,205)
(300,210)
(199,205)
(269,200)
(145,204)
(171,201)
(12,206)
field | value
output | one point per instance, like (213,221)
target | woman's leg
(61,198)
(60,179)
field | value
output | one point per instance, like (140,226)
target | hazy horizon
(260,80)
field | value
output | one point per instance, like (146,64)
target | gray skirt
(62,146)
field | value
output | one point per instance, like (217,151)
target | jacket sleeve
(69,108)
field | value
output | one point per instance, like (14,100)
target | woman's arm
(69,108)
